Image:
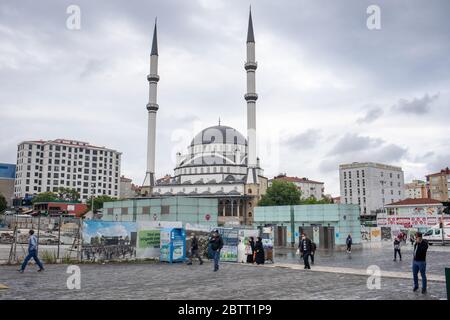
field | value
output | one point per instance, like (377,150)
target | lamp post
(92,198)
(442,225)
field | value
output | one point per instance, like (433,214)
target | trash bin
(447,281)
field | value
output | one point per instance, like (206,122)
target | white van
(434,235)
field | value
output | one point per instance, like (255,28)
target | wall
(188,210)
(344,218)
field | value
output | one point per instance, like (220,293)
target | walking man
(397,249)
(32,253)
(194,250)
(419,262)
(349,242)
(216,243)
(305,247)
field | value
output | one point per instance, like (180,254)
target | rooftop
(295,179)
(413,202)
(443,171)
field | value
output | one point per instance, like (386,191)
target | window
(124,210)
(110,211)
(146,210)
(165,209)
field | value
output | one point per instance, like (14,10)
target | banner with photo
(108,240)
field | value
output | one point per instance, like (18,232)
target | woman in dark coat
(251,243)
(259,249)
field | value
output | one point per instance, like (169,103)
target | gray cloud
(91,83)
(353,148)
(352,142)
(417,106)
(371,115)
(305,140)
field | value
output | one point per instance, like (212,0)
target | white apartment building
(417,189)
(371,186)
(308,188)
(48,165)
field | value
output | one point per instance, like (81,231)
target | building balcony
(153,78)
(251,97)
(249,65)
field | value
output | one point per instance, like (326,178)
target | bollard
(447,281)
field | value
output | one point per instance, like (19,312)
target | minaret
(251,97)
(152,108)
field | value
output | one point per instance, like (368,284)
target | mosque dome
(219,135)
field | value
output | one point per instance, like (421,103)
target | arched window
(249,190)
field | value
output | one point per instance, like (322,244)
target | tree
(45,197)
(281,193)
(3,204)
(68,194)
(313,200)
(98,201)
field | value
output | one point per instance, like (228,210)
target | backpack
(313,246)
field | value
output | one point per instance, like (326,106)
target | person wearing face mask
(305,247)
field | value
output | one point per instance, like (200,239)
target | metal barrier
(59,238)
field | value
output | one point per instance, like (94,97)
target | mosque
(220,162)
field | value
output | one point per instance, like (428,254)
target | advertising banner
(108,240)
(375,234)
(148,237)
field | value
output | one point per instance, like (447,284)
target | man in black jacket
(419,262)
(305,247)
(194,249)
(216,243)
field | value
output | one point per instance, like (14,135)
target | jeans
(399,253)
(416,267)
(31,254)
(306,260)
(312,257)
(216,259)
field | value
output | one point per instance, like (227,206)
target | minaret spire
(155,41)
(250,35)
(152,108)
(251,97)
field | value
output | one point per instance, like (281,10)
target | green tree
(68,194)
(3,204)
(98,201)
(313,200)
(281,193)
(45,197)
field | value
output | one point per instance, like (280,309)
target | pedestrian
(32,253)
(251,250)
(313,251)
(349,242)
(411,239)
(259,251)
(397,249)
(194,250)
(305,247)
(419,262)
(216,243)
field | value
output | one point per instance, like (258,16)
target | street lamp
(442,225)
(92,198)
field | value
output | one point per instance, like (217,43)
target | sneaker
(415,289)
(201,262)
(394,260)
(424,291)
(42,269)
(189,263)
(20,270)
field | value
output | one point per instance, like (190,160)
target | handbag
(248,250)
(297,252)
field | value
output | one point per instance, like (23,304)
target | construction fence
(59,238)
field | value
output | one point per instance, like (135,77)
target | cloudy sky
(331,91)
